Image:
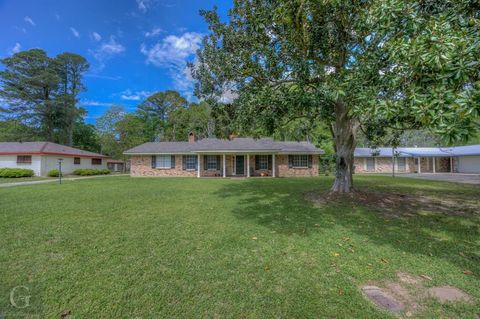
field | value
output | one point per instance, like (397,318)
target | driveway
(448,177)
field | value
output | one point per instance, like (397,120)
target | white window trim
(374,164)
(299,167)
(265,157)
(163,167)
(196,164)
(216,164)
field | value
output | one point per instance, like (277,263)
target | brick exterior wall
(384,165)
(142,166)
(284,171)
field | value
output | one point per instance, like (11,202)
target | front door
(239,165)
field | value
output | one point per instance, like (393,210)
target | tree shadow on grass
(416,225)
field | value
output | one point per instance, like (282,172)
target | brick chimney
(191,137)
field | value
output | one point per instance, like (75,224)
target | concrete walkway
(56,180)
(448,177)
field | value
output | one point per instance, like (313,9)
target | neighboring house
(42,157)
(457,159)
(220,157)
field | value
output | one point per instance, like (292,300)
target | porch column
(224,166)
(198,165)
(434,158)
(273,165)
(419,165)
(248,165)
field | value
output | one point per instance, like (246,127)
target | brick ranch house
(457,159)
(212,157)
(42,157)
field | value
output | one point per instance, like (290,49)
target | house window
(96,161)
(76,160)
(300,161)
(24,159)
(164,161)
(401,164)
(262,161)
(190,162)
(370,164)
(211,162)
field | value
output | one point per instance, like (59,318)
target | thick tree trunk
(344,130)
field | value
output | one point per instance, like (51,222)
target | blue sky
(134,47)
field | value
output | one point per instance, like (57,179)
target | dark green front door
(239,165)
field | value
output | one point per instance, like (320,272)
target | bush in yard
(15,172)
(54,173)
(90,172)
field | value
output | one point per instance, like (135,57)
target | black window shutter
(290,161)
(196,163)
(309,161)
(172,162)
(257,162)
(183,163)
(270,162)
(218,162)
(205,166)
(154,161)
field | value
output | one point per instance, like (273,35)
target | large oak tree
(371,66)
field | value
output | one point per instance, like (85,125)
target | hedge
(16,172)
(89,172)
(54,173)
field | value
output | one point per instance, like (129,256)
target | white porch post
(273,165)
(419,165)
(434,168)
(198,165)
(248,165)
(224,166)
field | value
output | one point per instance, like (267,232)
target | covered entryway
(239,165)
(469,164)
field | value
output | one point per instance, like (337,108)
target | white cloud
(153,33)
(75,33)
(96,36)
(129,95)
(173,53)
(29,20)
(173,49)
(94,103)
(103,77)
(143,5)
(16,48)
(107,50)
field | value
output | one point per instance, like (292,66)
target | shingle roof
(222,145)
(46,148)
(160,147)
(419,151)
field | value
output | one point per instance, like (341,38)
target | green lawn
(211,248)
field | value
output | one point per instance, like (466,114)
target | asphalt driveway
(449,177)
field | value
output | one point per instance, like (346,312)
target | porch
(236,165)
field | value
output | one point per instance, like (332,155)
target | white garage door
(469,164)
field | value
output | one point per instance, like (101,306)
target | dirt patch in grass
(395,204)
(407,295)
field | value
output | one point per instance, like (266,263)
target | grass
(188,248)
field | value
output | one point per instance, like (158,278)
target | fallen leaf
(254,238)
(461,254)
(336,254)
(426,277)
(468,272)
(383,260)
